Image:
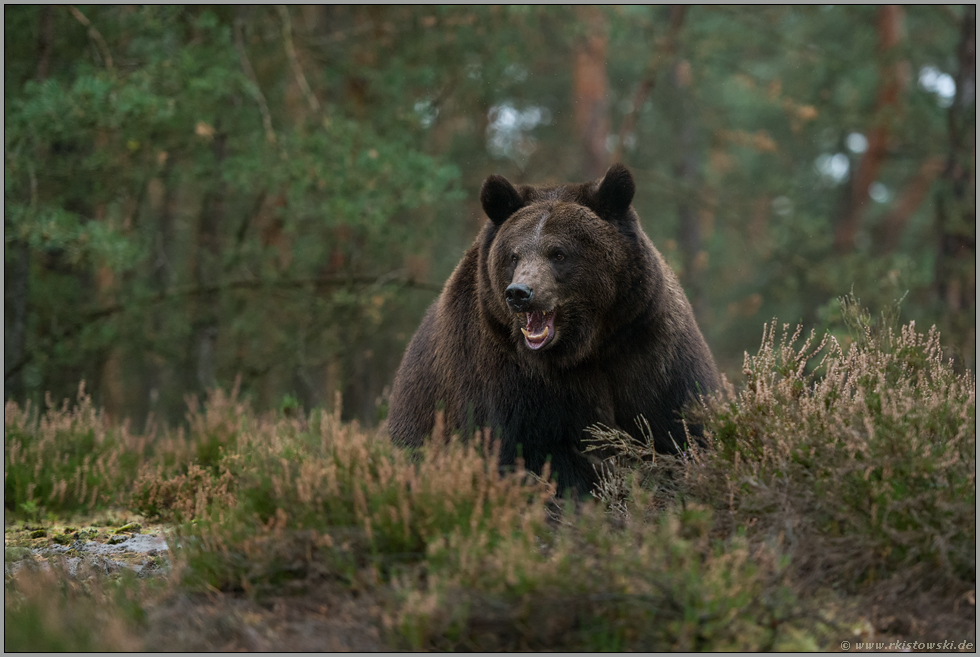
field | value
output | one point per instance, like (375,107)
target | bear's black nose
(518,296)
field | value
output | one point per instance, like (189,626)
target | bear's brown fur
(562,315)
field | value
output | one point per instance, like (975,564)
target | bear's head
(556,261)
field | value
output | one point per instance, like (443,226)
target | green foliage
(161,177)
(763,110)
(218,203)
(289,406)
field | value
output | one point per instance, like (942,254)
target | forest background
(193,194)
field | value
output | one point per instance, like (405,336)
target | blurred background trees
(195,193)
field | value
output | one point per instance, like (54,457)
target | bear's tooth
(537,337)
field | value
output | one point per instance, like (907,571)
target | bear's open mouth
(539,329)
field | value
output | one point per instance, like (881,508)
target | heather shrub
(184,476)
(832,466)
(159,494)
(215,426)
(860,462)
(70,459)
(66,459)
(335,500)
(660,585)
(469,556)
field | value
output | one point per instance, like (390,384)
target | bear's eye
(559,256)
(513,258)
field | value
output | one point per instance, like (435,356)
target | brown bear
(562,315)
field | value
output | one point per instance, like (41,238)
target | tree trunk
(663,51)
(206,270)
(159,371)
(892,225)
(20,265)
(110,384)
(591,91)
(956,204)
(45,40)
(892,82)
(17,290)
(686,175)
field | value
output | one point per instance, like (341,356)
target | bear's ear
(615,191)
(499,199)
